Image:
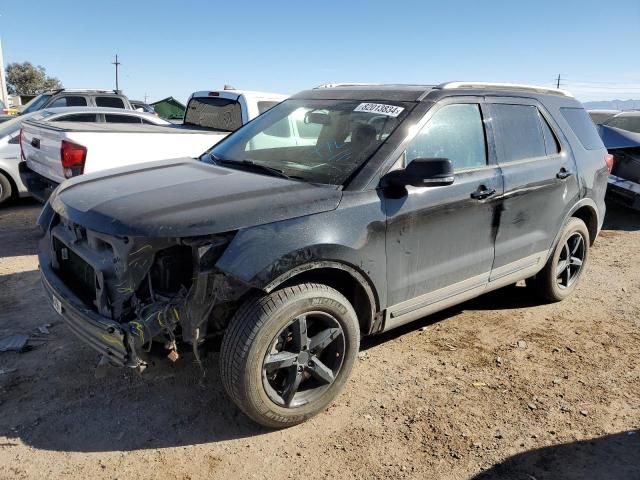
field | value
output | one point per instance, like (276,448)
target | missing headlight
(172,269)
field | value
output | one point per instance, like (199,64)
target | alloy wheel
(570,260)
(304,359)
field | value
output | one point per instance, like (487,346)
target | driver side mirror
(421,172)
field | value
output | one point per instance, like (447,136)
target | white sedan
(10,183)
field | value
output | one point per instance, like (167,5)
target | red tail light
(22,157)
(72,157)
(608,159)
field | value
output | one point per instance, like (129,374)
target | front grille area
(76,274)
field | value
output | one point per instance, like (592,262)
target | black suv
(341,212)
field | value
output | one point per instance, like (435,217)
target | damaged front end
(121,293)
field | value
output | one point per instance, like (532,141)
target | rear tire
(286,355)
(559,277)
(6,189)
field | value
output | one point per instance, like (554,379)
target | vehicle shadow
(610,457)
(619,217)
(505,298)
(510,297)
(51,398)
(166,406)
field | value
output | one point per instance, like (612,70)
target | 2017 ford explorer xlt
(403,200)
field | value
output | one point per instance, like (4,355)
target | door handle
(482,192)
(563,173)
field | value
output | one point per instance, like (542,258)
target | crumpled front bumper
(102,334)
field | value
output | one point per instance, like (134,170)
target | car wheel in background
(286,355)
(6,189)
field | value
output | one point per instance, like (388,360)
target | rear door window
(455,132)
(114,118)
(519,132)
(111,102)
(69,101)
(214,113)
(581,124)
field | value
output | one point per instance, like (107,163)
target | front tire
(286,355)
(559,277)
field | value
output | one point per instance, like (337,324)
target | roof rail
(505,86)
(97,90)
(344,84)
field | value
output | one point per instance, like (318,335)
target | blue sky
(173,48)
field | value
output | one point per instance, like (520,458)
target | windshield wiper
(249,164)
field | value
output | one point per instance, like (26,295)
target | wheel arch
(589,215)
(587,211)
(346,279)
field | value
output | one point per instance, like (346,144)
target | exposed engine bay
(158,290)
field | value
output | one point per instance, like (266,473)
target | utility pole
(146,97)
(557,81)
(116,63)
(3,81)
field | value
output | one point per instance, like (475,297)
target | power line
(633,88)
(603,83)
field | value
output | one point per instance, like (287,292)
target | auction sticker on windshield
(380,108)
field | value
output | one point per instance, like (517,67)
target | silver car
(10,183)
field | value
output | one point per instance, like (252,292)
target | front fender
(352,236)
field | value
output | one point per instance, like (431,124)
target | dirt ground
(500,387)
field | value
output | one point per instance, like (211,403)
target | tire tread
(241,332)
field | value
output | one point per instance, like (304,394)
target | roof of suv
(416,93)
(397,92)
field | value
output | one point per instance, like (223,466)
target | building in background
(169,108)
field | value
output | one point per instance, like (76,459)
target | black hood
(185,197)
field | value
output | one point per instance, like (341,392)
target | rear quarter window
(584,128)
(265,105)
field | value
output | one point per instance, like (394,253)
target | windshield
(36,103)
(214,113)
(13,125)
(600,117)
(625,122)
(322,141)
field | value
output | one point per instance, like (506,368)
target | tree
(26,79)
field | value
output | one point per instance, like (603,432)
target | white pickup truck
(53,152)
